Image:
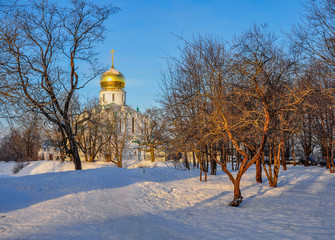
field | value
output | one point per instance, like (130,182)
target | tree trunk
(74,154)
(207,162)
(332,157)
(237,195)
(213,165)
(329,156)
(273,177)
(293,152)
(238,160)
(201,163)
(282,155)
(194,160)
(187,165)
(306,160)
(118,160)
(152,153)
(119,163)
(222,152)
(330,164)
(259,170)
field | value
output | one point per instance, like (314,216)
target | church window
(133,125)
(103,97)
(113,97)
(122,98)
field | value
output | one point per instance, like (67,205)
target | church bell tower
(112,84)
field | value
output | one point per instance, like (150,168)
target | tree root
(236,202)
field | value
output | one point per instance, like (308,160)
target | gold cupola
(112,79)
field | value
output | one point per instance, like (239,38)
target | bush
(18,166)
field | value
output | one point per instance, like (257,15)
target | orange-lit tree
(237,92)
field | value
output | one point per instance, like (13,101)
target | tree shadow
(21,192)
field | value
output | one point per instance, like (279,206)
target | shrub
(18,166)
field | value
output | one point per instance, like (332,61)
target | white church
(112,104)
(112,84)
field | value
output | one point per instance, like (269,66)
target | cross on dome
(112,52)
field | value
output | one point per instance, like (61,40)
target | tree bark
(213,166)
(259,170)
(282,152)
(74,154)
(194,160)
(237,195)
(152,153)
(187,165)
(293,152)
(201,163)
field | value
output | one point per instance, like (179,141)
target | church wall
(124,115)
(117,97)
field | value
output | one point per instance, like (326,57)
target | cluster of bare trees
(108,132)
(256,94)
(314,39)
(117,134)
(152,133)
(44,48)
(23,140)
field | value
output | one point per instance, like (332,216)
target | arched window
(133,125)
(113,97)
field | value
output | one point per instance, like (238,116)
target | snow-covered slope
(105,202)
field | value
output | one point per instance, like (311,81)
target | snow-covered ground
(47,200)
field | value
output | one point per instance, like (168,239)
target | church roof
(112,79)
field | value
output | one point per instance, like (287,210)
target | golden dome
(112,79)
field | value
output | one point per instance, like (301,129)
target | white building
(112,100)
(112,107)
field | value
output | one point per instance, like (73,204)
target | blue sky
(142,35)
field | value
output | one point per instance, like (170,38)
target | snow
(48,200)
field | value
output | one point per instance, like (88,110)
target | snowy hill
(46,200)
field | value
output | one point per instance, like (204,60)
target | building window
(113,97)
(122,98)
(103,97)
(133,125)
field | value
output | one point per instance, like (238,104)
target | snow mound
(38,167)
(6,169)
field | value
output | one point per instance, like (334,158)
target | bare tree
(314,37)
(118,133)
(318,119)
(91,129)
(274,149)
(152,127)
(239,93)
(43,48)
(10,147)
(325,127)
(23,141)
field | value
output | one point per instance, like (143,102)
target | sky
(143,35)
